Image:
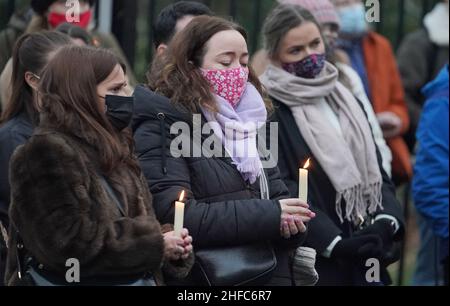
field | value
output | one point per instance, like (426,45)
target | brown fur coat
(62,211)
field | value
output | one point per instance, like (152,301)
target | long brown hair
(70,104)
(31,53)
(177,75)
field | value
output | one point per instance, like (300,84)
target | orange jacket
(388,95)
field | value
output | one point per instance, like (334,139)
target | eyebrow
(232,53)
(302,46)
(119,84)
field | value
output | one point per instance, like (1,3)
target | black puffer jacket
(221,208)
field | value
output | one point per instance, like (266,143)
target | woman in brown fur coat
(65,179)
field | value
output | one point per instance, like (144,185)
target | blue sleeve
(431,177)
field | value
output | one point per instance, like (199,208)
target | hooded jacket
(221,208)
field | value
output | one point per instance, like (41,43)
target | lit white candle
(179,215)
(303,183)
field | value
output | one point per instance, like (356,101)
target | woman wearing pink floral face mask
(231,199)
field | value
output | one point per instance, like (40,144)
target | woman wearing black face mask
(358,217)
(90,200)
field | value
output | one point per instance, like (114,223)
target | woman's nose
(309,51)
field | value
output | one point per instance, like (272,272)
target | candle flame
(307,164)
(182,196)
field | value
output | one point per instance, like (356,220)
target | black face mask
(119,111)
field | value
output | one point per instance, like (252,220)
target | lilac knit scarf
(237,129)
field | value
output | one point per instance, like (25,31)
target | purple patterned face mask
(307,68)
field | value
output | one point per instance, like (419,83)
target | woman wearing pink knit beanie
(323,10)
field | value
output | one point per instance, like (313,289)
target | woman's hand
(291,226)
(174,246)
(294,215)
(188,248)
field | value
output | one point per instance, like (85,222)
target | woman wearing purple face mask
(233,197)
(358,217)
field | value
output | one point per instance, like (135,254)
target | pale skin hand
(176,248)
(294,215)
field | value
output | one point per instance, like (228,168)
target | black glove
(384,229)
(369,246)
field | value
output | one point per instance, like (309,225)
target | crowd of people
(92,164)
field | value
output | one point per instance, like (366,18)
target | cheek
(210,64)
(102,104)
(101,92)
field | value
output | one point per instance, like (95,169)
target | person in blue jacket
(431,173)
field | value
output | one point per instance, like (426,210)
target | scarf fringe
(357,204)
(250,169)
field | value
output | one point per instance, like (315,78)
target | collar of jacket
(152,106)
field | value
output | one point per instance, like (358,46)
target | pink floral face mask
(229,84)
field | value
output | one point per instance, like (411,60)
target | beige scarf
(349,159)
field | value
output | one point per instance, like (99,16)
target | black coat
(221,208)
(293,152)
(12,134)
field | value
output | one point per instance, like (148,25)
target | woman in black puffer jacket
(230,202)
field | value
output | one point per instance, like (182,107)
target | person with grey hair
(358,216)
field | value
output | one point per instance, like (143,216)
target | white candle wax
(303,185)
(179,218)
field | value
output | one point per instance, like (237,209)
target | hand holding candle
(294,216)
(303,182)
(179,215)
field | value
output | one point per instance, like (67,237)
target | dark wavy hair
(177,76)
(70,104)
(165,25)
